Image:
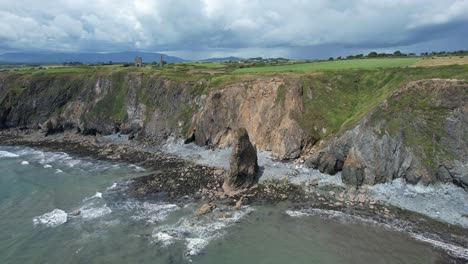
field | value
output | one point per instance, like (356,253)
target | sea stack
(243,171)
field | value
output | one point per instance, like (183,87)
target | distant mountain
(58,58)
(224,59)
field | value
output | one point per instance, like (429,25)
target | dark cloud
(201,28)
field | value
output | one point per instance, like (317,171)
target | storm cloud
(207,28)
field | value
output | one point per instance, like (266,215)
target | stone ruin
(138,62)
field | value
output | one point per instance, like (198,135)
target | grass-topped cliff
(287,112)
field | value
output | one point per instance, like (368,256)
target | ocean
(40,190)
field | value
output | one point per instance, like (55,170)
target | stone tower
(138,62)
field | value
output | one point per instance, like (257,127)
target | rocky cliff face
(99,103)
(419,134)
(264,106)
(153,108)
(366,124)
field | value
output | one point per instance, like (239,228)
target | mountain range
(58,58)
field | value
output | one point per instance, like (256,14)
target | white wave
(332,214)
(72,163)
(92,211)
(29,152)
(196,234)
(113,186)
(58,171)
(24,162)
(137,168)
(453,250)
(51,219)
(7,154)
(58,159)
(50,157)
(96,195)
(47,166)
(196,245)
(296,213)
(164,239)
(149,212)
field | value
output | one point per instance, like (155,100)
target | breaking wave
(400,226)
(51,219)
(196,234)
(7,154)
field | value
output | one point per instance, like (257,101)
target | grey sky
(212,28)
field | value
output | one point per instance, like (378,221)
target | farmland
(335,65)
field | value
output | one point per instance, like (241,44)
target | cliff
(420,133)
(374,125)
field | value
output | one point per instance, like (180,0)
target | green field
(210,65)
(335,65)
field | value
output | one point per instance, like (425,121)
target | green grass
(114,103)
(209,65)
(417,116)
(334,65)
(334,101)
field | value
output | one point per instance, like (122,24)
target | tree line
(398,54)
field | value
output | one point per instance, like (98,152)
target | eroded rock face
(263,106)
(243,171)
(424,142)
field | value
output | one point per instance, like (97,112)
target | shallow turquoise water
(38,189)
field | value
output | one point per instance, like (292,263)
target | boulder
(205,209)
(75,213)
(53,126)
(243,171)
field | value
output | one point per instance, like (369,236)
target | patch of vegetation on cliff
(280,95)
(336,100)
(185,119)
(419,117)
(114,104)
(173,100)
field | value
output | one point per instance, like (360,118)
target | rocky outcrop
(243,171)
(364,157)
(152,108)
(101,103)
(418,134)
(205,209)
(265,107)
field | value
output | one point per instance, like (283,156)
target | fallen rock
(239,203)
(361,198)
(223,215)
(75,213)
(205,209)
(314,182)
(243,171)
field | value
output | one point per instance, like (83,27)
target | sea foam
(51,219)
(196,234)
(7,154)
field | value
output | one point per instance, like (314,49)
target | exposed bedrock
(152,108)
(264,107)
(243,171)
(419,134)
(350,122)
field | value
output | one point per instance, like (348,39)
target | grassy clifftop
(333,100)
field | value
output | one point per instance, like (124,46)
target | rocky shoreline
(173,178)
